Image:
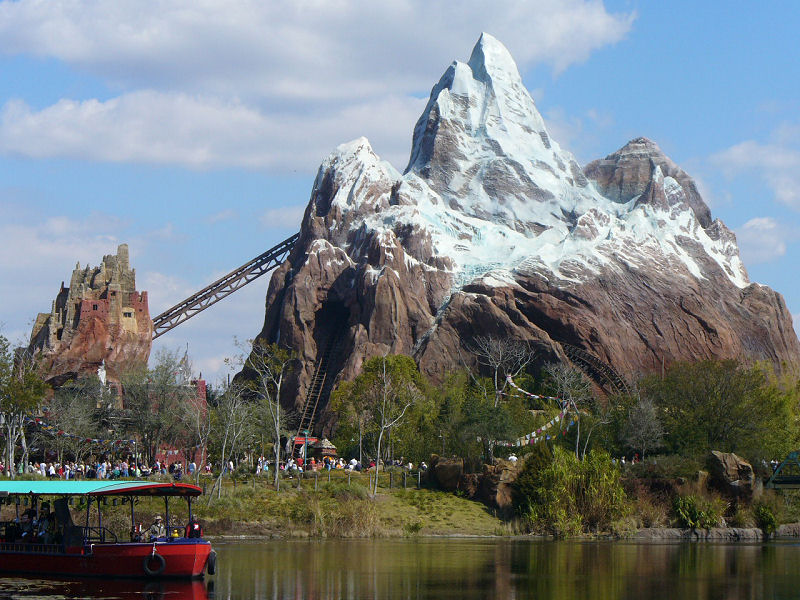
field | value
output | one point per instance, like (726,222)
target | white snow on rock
(498,195)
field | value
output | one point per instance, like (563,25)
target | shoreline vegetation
(336,509)
(316,508)
(515,448)
(340,504)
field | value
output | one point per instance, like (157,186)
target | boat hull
(175,559)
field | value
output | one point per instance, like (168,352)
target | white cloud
(165,291)
(201,132)
(265,85)
(285,217)
(221,216)
(307,50)
(763,239)
(54,240)
(582,134)
(777,163)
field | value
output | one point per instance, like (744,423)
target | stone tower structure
(99,321)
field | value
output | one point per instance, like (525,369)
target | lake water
(464,568)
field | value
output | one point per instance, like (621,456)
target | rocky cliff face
(99,320)
(494,229)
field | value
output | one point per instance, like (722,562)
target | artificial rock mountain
(493,229)
(99,322)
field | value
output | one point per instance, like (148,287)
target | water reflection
(463,569)
(124,589)
(459,568)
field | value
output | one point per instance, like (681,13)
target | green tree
(73,409)
(156,399)
(386,389)
(355,417)
(265,369)
(722,405)
(21,393)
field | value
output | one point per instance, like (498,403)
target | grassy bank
(338,508)
(335,505)
(317,507)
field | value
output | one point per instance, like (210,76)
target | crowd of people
(331,463)
(108,469)
(128,468)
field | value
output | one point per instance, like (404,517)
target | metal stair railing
(223,287)
(321,383)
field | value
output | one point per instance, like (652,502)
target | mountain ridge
(493,229)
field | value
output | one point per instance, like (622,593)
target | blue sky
(193,130)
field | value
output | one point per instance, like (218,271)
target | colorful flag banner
(58,432)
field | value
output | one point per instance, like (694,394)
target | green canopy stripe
(99,488)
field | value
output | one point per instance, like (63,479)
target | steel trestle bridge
(223,287)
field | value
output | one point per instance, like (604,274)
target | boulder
(447,472)
(733,476)
(470,484)
(496,484)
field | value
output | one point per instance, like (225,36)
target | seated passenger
(47,526)
(157,529)
(27,525)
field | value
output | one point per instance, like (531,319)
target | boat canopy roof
(98,488)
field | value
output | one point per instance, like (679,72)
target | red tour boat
(64,548)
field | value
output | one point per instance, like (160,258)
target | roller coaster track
(223,287)
(321,384)
(598,371)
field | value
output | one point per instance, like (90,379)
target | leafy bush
(695,512)
(412,527)
(742,516)
(765,519)
(568,496)
(670,466)
(649,512)
(342,491)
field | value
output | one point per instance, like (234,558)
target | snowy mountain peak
(490,59)
(483,146)
(493,229)
(624,175)
(493,192)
